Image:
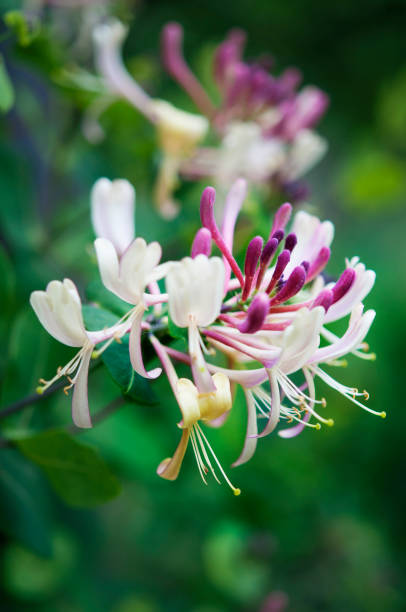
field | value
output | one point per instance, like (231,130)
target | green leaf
(23,502)
(179,333)
(6,88)
(117,359)
(96,292)
(32,578)
(76,471)
(25,31)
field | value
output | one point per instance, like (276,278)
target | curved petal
(251,438)
(169,468)
(135,346)
(109,268)
(355,334)
(275,406)
(80,402)
(112,210)
(362,285)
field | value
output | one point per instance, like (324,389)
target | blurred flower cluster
(262,326)
(262,126)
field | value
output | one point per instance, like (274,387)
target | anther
(383,414)
(330,422)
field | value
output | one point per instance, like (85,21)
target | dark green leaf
(6,88)
(117,359)
(23,503)
(76,471)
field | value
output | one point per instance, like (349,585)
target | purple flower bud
(171,47)
(227,54)
(319,263)
(290,242)
(278,235)
(251,260)
(289,80)
(292,286)
(208,221)
(266,257)
(201,243)
(343,284)
(281,263)
(175,64)
(239,87)
(256,314)
(325,299)
(281,218)
(206,210)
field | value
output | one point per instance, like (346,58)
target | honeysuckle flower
(127,277)
(195,294)
(112,212)
(264,124)
(195,406)
(59,311)
(178,132)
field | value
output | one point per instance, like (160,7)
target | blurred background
(320,522)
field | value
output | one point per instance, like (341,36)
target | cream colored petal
(80,402)
(169,468)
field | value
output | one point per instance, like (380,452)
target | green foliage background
(321,517)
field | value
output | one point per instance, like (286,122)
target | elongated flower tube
(112,210)
(59,311)
(195,406)
(178,132)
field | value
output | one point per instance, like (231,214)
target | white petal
(363,283)
(135,347)
(250,443)
(357,330)
(301,339)
(80,402)
(195,288)
(112,207)
(59,311)
(137,266)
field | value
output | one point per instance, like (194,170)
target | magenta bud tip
(201,243)
(206,207)
(343,284)
(256,314)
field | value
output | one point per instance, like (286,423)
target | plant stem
(33,398)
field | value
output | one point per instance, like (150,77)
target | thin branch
(100,416)
(33,398)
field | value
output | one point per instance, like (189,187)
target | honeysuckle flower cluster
(263,325)
(263,126)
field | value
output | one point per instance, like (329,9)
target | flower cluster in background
(263,326)
(262,126)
